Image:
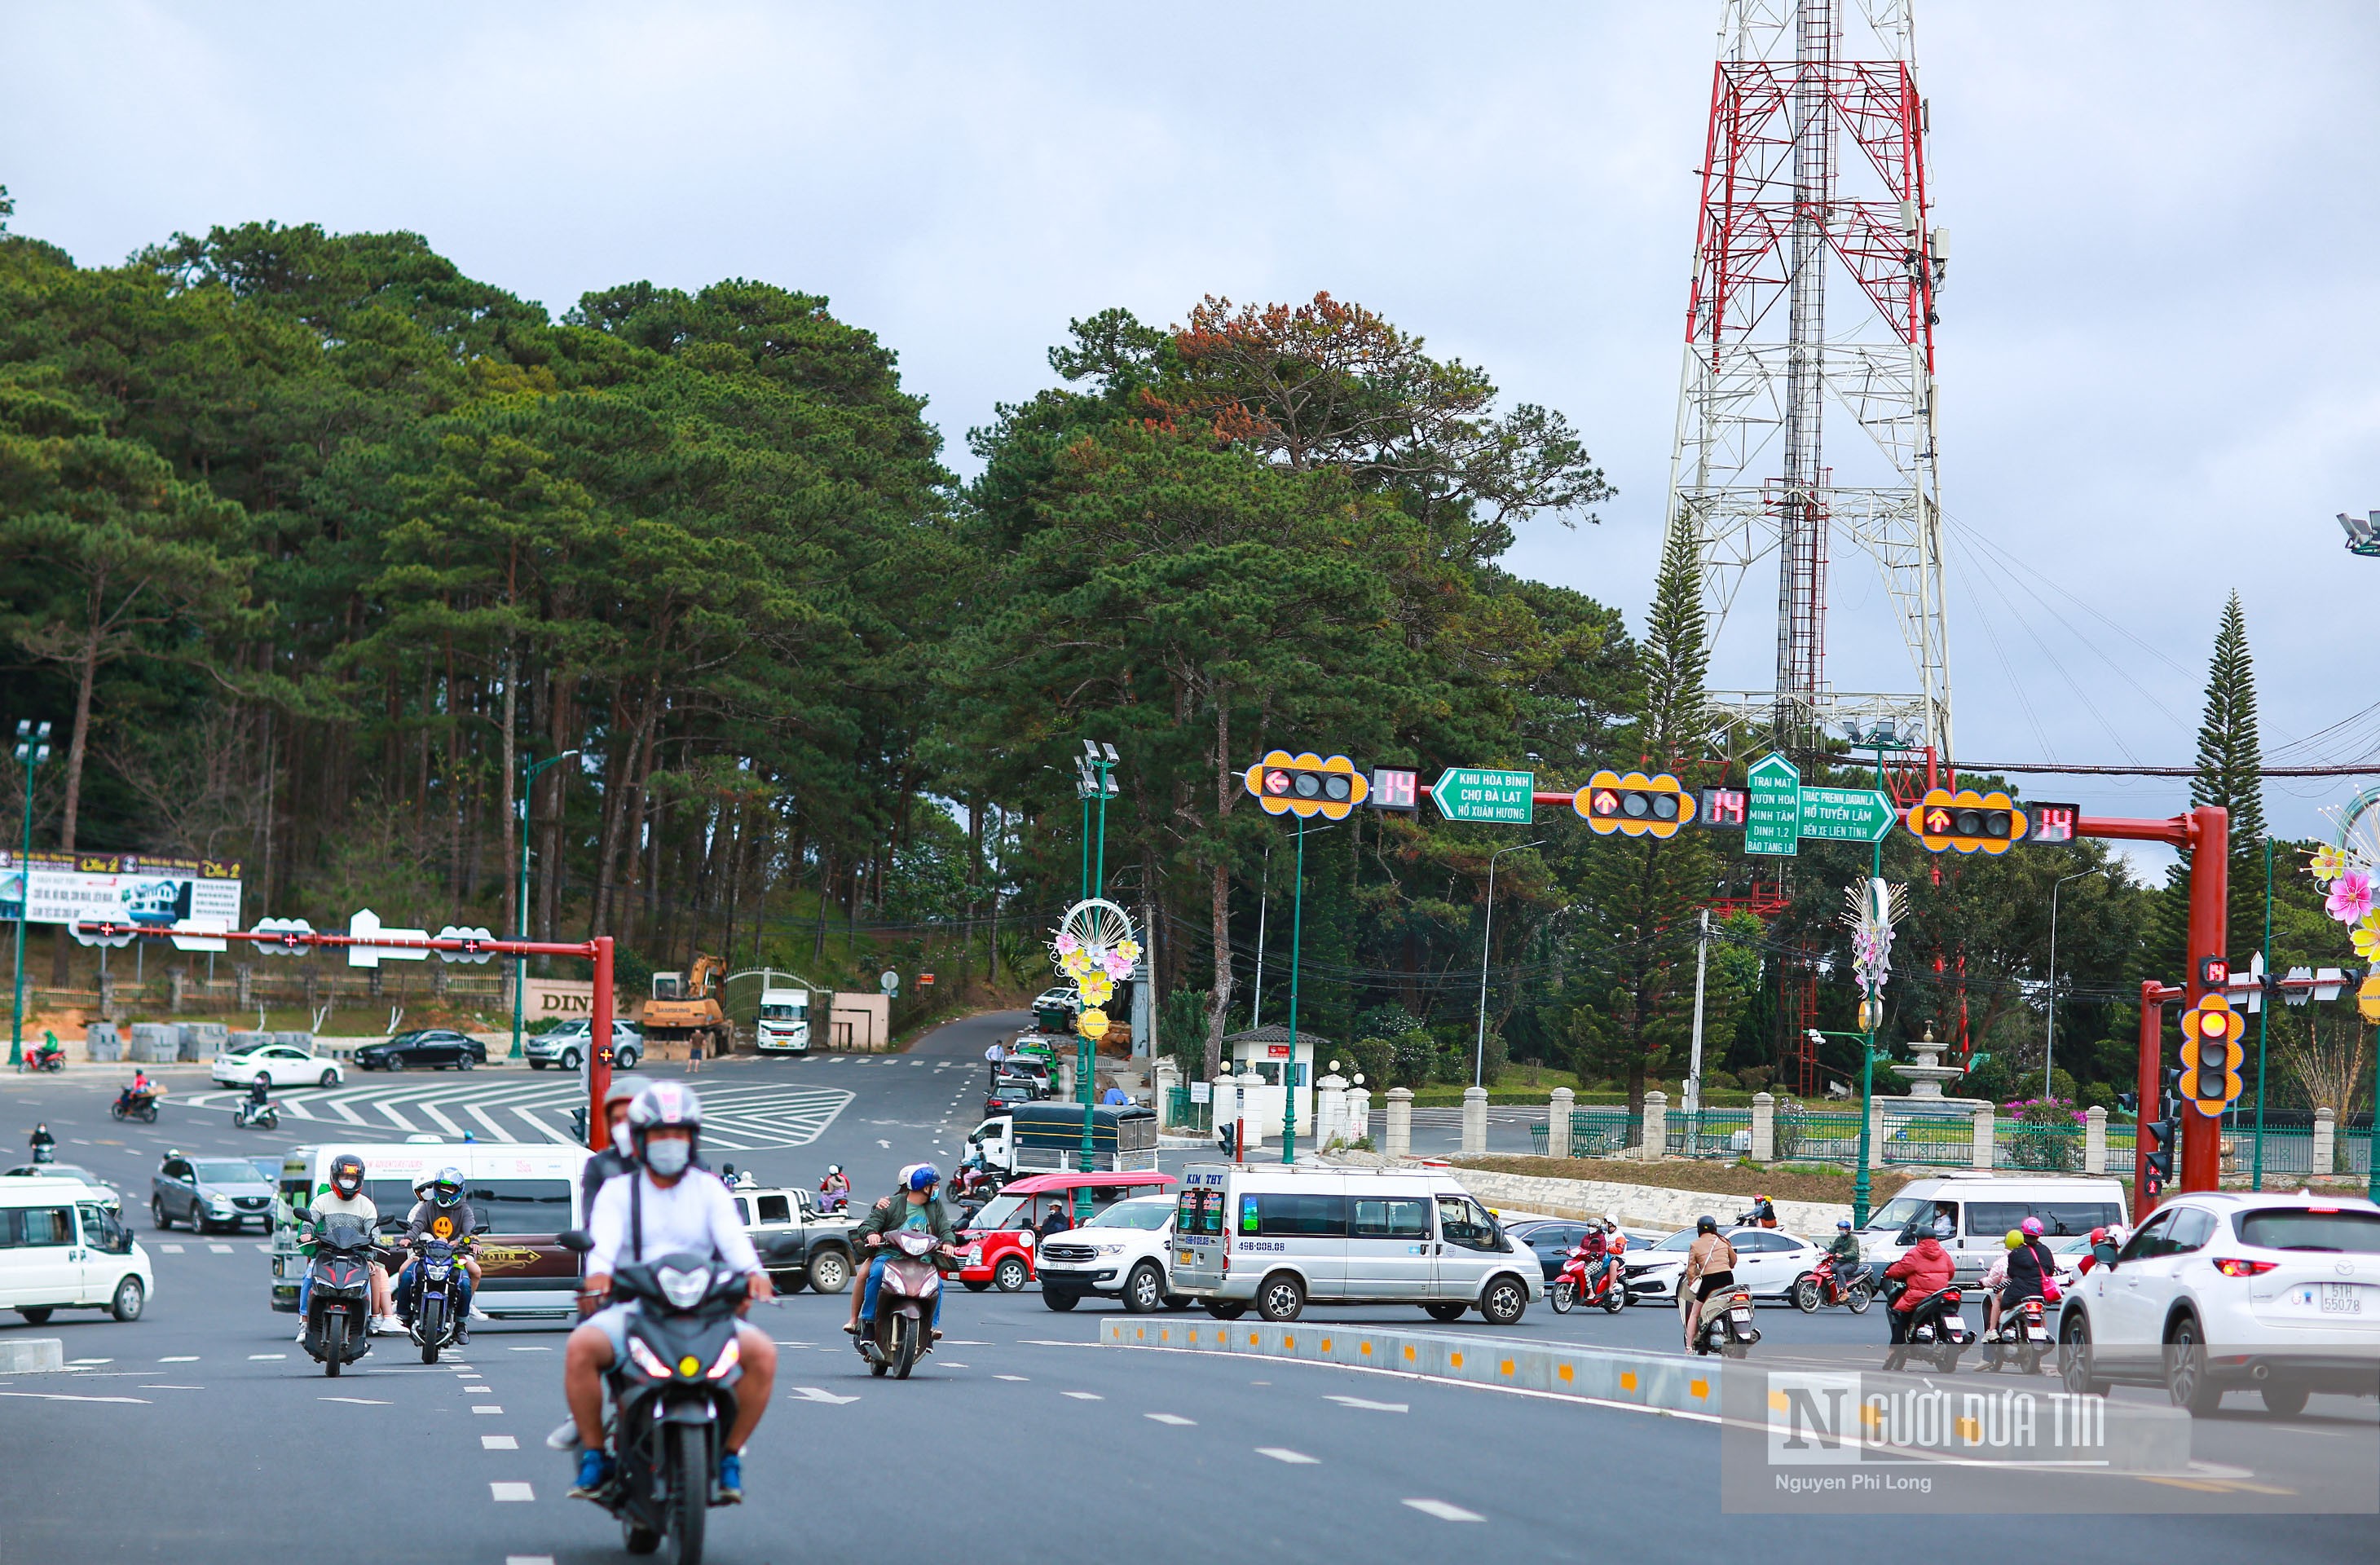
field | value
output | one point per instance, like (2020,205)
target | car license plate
(1741,1315)
(1954,1322)
(2341,1298)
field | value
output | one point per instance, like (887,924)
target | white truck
(784,1026)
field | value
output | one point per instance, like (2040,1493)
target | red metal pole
(2210,863)
(2154,996)
(599,1053)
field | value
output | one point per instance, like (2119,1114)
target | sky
(2159,345)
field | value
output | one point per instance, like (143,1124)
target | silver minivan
(1279,1238)
(1981,1209)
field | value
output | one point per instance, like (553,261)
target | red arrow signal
(1937,822)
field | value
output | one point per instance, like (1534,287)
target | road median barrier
(32,1355)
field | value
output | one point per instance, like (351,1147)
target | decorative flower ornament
(2366,936)
(2350,896)
(2328,864)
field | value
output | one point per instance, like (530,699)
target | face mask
(621,1142)
(668,1158)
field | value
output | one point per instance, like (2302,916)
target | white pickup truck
(824,1262)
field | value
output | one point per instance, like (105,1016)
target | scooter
(339,1293)
(1933,1330)
(1723,1322)
(2020,1340)
(1571,1287)
(971,1184)
(141,1106)
(1822,1286)
(900,1335)
(436,1320)
(252,1115)
(50,1056)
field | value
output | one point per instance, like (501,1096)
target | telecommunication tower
(1750,470)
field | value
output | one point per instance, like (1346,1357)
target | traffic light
(1967,821)
(1635,804)
(1306,784)
(2129,1102)
(2164,1137)
(2211,1054)
(2214,971)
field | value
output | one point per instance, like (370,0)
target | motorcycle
(2022,1338)
(673,1395)
(1933,1330)
(1571,1287)
(252,1115)
(50,1056)
(436,1320)
(898,1337)
(972,1184)
(339,1293)
(45,1152)
(1723,1322)
(141,1106)
(1822,1286)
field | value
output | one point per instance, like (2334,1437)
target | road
(1022,1440)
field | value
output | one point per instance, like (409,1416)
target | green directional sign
(1772,817)
(1846,814)
(1498,798)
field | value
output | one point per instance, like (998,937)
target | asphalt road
(202,1432)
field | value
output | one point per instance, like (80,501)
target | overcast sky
(2160,346)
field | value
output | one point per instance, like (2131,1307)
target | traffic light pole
(2263,1016)
(2149,1083)
(1288,1066)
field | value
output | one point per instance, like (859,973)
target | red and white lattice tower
(1816,173)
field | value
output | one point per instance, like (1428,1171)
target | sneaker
(564,1436)
(729,1489)
(462,1332)
(934,1334)
(479,1313)
(594,1474)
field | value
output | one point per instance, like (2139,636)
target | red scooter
(1572,1285)
(1823,1287)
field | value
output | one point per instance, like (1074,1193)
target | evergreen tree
(2230,773)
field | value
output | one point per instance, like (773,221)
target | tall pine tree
(2230,773)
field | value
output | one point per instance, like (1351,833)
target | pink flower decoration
(2350,896)
(1066,944)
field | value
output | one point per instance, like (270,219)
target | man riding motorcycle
(441,1213)
(618,1156)
(1843,1254)
(342,1195)
(1927,1270)
(913,1206)
(668,1206)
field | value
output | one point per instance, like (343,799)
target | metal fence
(1935,1140)
(2037,1149)
(1594,1133)
(1806,1136)
(1187,1118)
(1712,1133)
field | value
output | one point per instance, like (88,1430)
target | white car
(2220,1290)
(1768,1261)
(285,1064)
(1124,1253)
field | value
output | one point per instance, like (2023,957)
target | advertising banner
(121,886)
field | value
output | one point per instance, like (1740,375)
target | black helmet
(347,1174)
(1707,1224)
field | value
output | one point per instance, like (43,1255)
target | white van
(525,1193)
(784,1022)
(1282,1237)
(1982,1209)
(61,1248)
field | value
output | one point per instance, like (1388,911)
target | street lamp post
(2049,1034)
(520,963)
(1095,778)
(1288,1066)
(33,749)
(1487,933)
(1867,1087)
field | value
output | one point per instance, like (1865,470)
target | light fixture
(1113,757)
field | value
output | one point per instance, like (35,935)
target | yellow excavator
(685,1010)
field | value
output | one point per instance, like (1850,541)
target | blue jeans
(875,1278)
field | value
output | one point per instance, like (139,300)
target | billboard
(121,886)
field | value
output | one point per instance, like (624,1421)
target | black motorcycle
(434,1286)
(2021,1340)
(130,1105)
(338,1294)
(1933,1329)
(673,1397)
(252,1115)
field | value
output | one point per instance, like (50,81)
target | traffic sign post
(1845,814)
(1493,798)
(1772,820)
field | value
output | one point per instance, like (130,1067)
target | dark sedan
(436,1049)
(1550,1241)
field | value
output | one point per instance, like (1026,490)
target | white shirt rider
(694,1214)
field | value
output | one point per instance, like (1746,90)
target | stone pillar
(1656,1125)
(1165,1077)
(1397,1137)
(177,989)
(1876,1133)
(1359,1113)
(1258,1119)
(1475,1121)
(244,981)
(1558,1123)
(107,992)
(1227,1099)
(1066,1076)
(2095,1140)
(2326,1142)
(1987,1123)
(1330,1110)
(1763,1127)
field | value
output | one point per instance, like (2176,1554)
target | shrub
(2047,1136)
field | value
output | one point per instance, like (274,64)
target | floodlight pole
(32,748)
(1487,933)
(520,907)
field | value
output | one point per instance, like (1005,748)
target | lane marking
(1012,1377)
(265,1358)
(219,1249)
(83,1361)
(478,1390)
(528,1559)
(1295,1458)
(62,1396)
(169,1249)
(1084,1396)
(1444,1512)
(532,1349)
(819,1394)
(172,1388)
(1369,1405)
(1175,1419)
(498,1442)
(513,1491)
(359,1401)
(486,1407)
(180,1358)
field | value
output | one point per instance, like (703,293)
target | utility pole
(33,749)
(1487,933)
(2049,1025)
(1264,893)
(1694,1104)
(520,933)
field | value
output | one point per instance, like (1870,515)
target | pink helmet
(2032,1227)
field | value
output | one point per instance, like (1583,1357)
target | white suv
(1124,1253)
(2220,1291)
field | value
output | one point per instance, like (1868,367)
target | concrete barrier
(32,1355)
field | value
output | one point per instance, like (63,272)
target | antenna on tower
(1750,470)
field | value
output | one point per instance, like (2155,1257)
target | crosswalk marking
(738,1117)
(1444,1512)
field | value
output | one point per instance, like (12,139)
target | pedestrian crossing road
(736,1117)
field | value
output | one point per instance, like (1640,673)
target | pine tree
(1677,650)
(2230,773)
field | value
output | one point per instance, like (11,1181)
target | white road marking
(90,1361)
(512,1492)
(264,1249)
(62,1396)
(1174,1419)
(1295,1458)
(219,1249)
(486,1407)
(528,1559)
(819,1394)
(498,1442)
(172,1388)
(265,1358)
(1369,1405)
(1444,1512)
(1084,1396)
(480,1390)
(1012,1377)
(532,1349)
(962,1342)
(359,1401)
(169,1249)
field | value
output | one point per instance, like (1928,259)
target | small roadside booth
(1268,1052)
